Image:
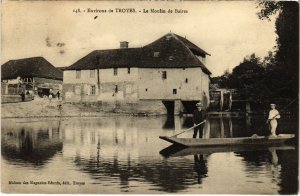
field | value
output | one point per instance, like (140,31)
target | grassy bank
(40,108)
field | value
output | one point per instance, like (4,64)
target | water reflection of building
(117,148)
(32,145)
(219,127)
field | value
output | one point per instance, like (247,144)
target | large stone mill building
(166,76)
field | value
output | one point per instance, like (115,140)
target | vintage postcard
(149,97)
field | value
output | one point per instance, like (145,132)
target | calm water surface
(122,155)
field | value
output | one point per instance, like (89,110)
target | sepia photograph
(149,97)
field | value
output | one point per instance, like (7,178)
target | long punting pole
(189,128)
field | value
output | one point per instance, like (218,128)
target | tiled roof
(169,51)
(30,67)
(127,57)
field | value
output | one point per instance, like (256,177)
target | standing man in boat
(272,119)
(199,116)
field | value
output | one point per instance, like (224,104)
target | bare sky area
(228,30)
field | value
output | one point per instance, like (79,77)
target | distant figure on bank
(50,97)
(22,96)
(205,101)
(199,116)
(58,95)
(272,119)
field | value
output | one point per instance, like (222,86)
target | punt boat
(180,151)
(253,140)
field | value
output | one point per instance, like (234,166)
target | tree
(248,78)
(285,71)
(221,81)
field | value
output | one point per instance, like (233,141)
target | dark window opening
(146,89)
(186,80)
(116,89)
(115,71)
(174,91)
(128,70)
(164,75)
(93,90)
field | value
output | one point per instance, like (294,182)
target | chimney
(124,44)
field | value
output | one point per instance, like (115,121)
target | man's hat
(272,104)
(198,104)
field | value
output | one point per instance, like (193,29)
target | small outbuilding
(35,75)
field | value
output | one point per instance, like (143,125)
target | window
(116,89)
(156,54)
(146,89)
(174,91)
(115,71)
(186,80)
(78,74)
(93,90)
(77,90)
(128,70)
(164,75)
(92,73)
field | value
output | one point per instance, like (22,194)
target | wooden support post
(98,81)
(177,106)
(222,127)
(230,127)
(221,101)
(248,108)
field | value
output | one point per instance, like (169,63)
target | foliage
(276,75)
(286,59)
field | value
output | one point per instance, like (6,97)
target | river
(123,154)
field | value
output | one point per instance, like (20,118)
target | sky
(228,30)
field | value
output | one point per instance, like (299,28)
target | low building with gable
(34,74)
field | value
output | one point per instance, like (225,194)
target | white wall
(158,88)
(108,81)
(106,75)
(141,79)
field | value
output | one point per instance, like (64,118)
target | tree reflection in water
(122,153)
(29,146)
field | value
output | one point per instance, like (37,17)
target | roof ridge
(192,54)
(117,49)
(175,36)
(194,45)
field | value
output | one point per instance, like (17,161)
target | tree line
(274,78)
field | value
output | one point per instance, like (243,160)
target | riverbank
(41,108)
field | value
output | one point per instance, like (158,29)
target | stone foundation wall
(142,107)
